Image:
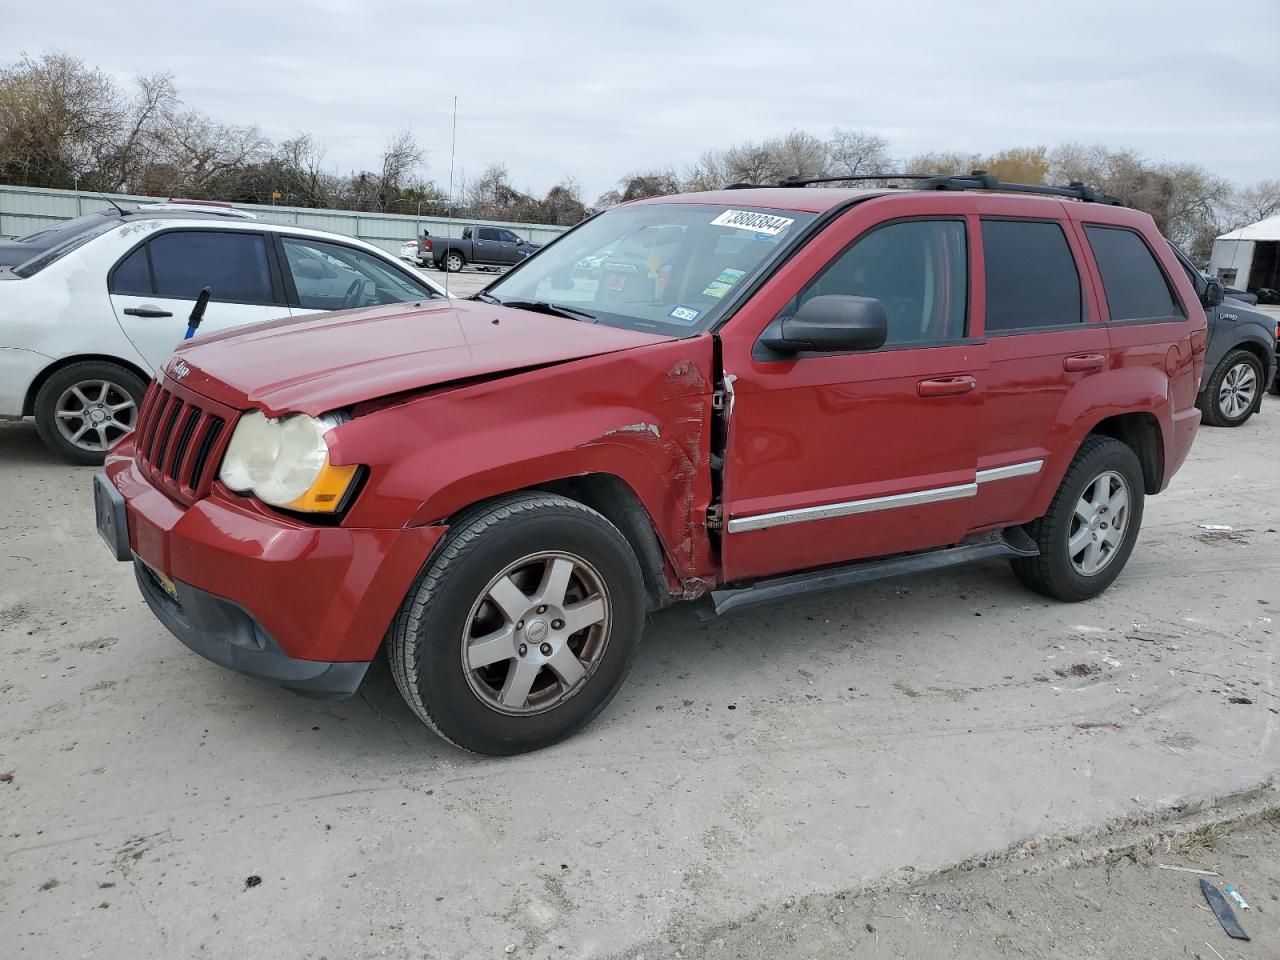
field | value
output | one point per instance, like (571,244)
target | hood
(327,361)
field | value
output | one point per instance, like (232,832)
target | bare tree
(856,153)
(155,100)
(58,116)
(1256,202)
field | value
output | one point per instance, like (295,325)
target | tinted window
(489,233)
(1135,285)
(1031,276)
(919,270)
(133,275)
(509,237)
(330,276)
(232,265)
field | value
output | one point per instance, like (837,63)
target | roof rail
(977,180)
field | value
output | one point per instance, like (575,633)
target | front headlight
(285,462)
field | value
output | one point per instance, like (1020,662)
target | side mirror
(834,323)
(1214,292)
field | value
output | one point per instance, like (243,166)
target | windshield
(67,243)
(667,267)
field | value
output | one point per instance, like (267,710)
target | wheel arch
(29,401)
(615,500)
(1140,431)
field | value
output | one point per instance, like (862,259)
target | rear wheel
(1093,521)
(453,262)
(1232,394)
(522,628)
(84,408)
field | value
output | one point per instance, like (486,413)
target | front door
(155,287)
(839,457)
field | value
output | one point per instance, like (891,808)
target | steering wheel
(352,296)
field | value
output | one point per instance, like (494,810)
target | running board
(1013,542)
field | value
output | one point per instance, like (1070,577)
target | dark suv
(775,390)
(1241,359)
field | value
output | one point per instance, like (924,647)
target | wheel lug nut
(520,625)
(546,649)
(557,624)
(542,609)
(523,650)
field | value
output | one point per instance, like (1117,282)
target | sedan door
(154,288)
(835,457)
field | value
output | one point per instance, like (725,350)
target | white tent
(1249,258)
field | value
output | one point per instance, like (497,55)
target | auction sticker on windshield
(760,223)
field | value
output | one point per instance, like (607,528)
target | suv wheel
(1233,391)
(454,262)
(521,628)
(1088,533)
(86,407)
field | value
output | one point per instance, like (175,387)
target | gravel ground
(154,805)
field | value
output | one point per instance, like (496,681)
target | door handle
(946,386)
(147,312)
(1084,362)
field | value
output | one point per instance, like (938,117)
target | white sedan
(86,323)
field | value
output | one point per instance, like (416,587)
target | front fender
(640,415)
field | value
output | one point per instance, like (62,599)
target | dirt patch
(1078,670)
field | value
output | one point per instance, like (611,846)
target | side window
(232,265)
(330,276)
(1136,287)
(919,270)
(132,275)
(1031,276)
(509,237)
(489,233)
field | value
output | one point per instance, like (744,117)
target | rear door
(1043,339)
(154,288)
(833,457)
(488,245)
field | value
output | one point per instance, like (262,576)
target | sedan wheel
(93,414)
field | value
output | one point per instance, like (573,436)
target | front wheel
(84,408)
(523,626)
(1093,521)
(1233,391)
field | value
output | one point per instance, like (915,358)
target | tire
(110,395)
(513,545)
(1059,572)
(453,262)
(1232,394)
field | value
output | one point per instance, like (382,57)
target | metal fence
(24,210)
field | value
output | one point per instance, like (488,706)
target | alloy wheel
(536,633)
(93,414)
(1238,391)
(1098,523)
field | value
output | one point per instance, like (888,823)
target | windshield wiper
(542,306)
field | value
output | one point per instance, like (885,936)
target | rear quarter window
(1135,286)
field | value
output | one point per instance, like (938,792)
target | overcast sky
(597,89)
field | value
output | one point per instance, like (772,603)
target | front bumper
(305,606)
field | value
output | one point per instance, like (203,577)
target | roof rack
(977,180)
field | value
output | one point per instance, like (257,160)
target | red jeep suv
(750,393)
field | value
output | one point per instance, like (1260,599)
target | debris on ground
(1222,910)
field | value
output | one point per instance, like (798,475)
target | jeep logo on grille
(179,370)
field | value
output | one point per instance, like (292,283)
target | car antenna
(197,312)
(119,209)
(453,153)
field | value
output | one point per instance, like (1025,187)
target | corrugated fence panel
(24,210)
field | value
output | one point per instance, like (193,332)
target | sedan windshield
(666,267)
